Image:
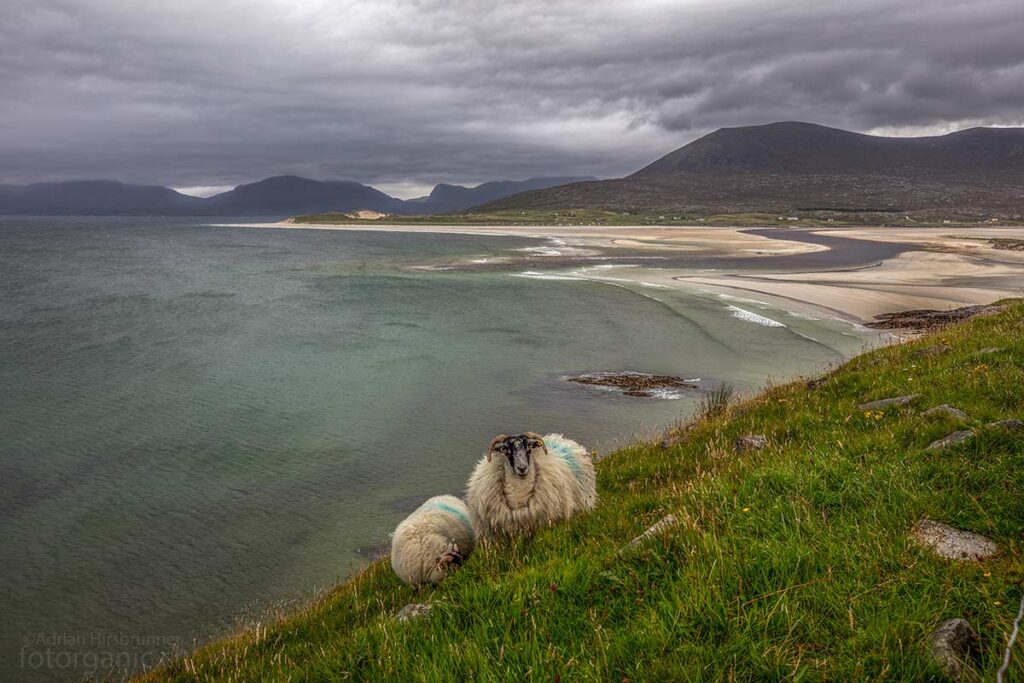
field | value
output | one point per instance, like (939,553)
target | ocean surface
(201,423)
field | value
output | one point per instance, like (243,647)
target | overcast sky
(403,94)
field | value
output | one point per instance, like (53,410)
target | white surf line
(751,317)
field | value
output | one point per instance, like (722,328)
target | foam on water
(749,316)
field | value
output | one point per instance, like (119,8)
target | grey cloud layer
(201,93)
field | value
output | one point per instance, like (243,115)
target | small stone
(413,611)
(1012,424)
(815,383)
(947,410)
(659,526)
(954,648)
(950,440)
(952,543)
(750,442)
(889,402)
(992,349)
(672,438)
(932,350)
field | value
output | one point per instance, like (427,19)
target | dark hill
(279,196)
(799,166)
(794,147)
(95,197)
(289,195)
(446,198)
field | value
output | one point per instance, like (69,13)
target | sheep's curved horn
(535,435)
(494,442)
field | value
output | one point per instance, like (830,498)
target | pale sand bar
(945,267)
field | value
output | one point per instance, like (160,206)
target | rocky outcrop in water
(633,383)
(927,319)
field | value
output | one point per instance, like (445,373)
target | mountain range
(786,166)
(279,196)
(792,166)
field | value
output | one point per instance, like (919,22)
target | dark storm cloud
(195,93)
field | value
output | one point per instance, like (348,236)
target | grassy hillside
(791,562)
(953,196)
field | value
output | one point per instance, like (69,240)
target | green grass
(790,563)
(598,217)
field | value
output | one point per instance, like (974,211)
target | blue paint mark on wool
(445,507)
(562,451)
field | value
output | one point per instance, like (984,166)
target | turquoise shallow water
(200,422)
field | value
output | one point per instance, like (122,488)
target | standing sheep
(433,541)
(535,481)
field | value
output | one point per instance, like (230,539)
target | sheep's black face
(516,449)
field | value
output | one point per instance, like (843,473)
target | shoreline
(940,268)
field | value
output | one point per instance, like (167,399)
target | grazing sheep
(534,482)
(433,541)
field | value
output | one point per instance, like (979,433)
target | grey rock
(889,402)
(413,611)
(932,350)
(955,647)
(750,442)
(672,438)
(950,440)
(656,528)
(947,410)
(815,383)
(1012,424)
(952,543)
(992,349)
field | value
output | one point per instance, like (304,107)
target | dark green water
(200,422)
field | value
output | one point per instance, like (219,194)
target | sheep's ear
(538,438)
(494,443)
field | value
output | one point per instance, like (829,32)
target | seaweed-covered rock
(928,319)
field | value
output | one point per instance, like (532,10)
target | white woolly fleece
(425,537)
(560,483)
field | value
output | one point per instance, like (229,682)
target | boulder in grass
(992,349)
(952,543)
(950,440)
(946,410)
(750,442)
(933,350)
(413,611)
(655,529)
(1012,424)
(955,649)
(896,401)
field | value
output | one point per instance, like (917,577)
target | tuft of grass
(716,401)
(788,563)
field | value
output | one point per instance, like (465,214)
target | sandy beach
(936,267)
